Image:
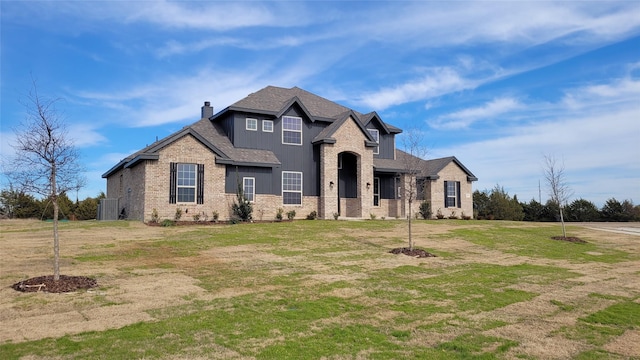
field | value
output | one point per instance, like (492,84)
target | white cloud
(521,23)
(618,91)
(438,81)
(605,144)
(464,118)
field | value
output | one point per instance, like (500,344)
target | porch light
(331,184)
(368,185)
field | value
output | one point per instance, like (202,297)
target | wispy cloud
(464,118)
(594,135)
(438,81)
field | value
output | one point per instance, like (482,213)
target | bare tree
(413,162)
(558,188)
(46,161)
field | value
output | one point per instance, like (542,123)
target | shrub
(178,214)
(242,207)
(279,214)
(425,210)
(439,214)
(312,215)
(453,215)
(167,222)
(154,216)
(372,216)
(291,214)
(215,216)
(336,216)
(196,217)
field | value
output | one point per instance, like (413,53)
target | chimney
(207,110)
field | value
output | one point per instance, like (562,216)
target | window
(267,125)
(375,134)
(376,191)
(452,193)
(186,183)
(291,188)
(249,188)
(252,124)
(291,130)
(421,188)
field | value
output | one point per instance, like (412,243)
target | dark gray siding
(387,146)
(386,141)
(227,125)
(263,176)
(303,158)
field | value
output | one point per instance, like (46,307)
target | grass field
(323,290)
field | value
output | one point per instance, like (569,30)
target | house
(287,149)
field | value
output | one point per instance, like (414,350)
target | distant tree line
(20,205)
(497,204)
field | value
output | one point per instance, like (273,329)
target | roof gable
(326,135)
(374,118)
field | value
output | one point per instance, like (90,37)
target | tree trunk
(410,238)
(56,241)
(564,232)
(56,212)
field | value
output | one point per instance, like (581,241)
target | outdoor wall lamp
(368,185)
(331,184)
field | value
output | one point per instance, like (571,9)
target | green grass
(535,241)
(329,289)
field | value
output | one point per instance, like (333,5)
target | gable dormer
(383,134)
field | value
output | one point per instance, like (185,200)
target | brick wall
(349,138)
(452,172)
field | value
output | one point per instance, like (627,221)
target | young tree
(46,161)
(414,164)
(558,187)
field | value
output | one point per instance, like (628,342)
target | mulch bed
(569,239)
(47,284)
(419,253)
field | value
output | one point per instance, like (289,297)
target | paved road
(631,228)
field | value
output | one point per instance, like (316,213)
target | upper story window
(267,126)
(375,134)
(291,130)
(252,124)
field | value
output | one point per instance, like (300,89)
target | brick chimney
(207,110)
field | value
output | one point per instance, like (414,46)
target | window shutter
(173,176)
(445,193)
(458,193)
(200,190)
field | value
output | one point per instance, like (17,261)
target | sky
(498,84)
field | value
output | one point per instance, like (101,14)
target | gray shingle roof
(272,99)
(427,168)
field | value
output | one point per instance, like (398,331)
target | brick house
(289,149)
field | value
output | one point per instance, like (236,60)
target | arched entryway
(348,192)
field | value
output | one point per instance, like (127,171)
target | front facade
(286,149)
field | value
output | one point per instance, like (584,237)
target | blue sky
(497,84)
